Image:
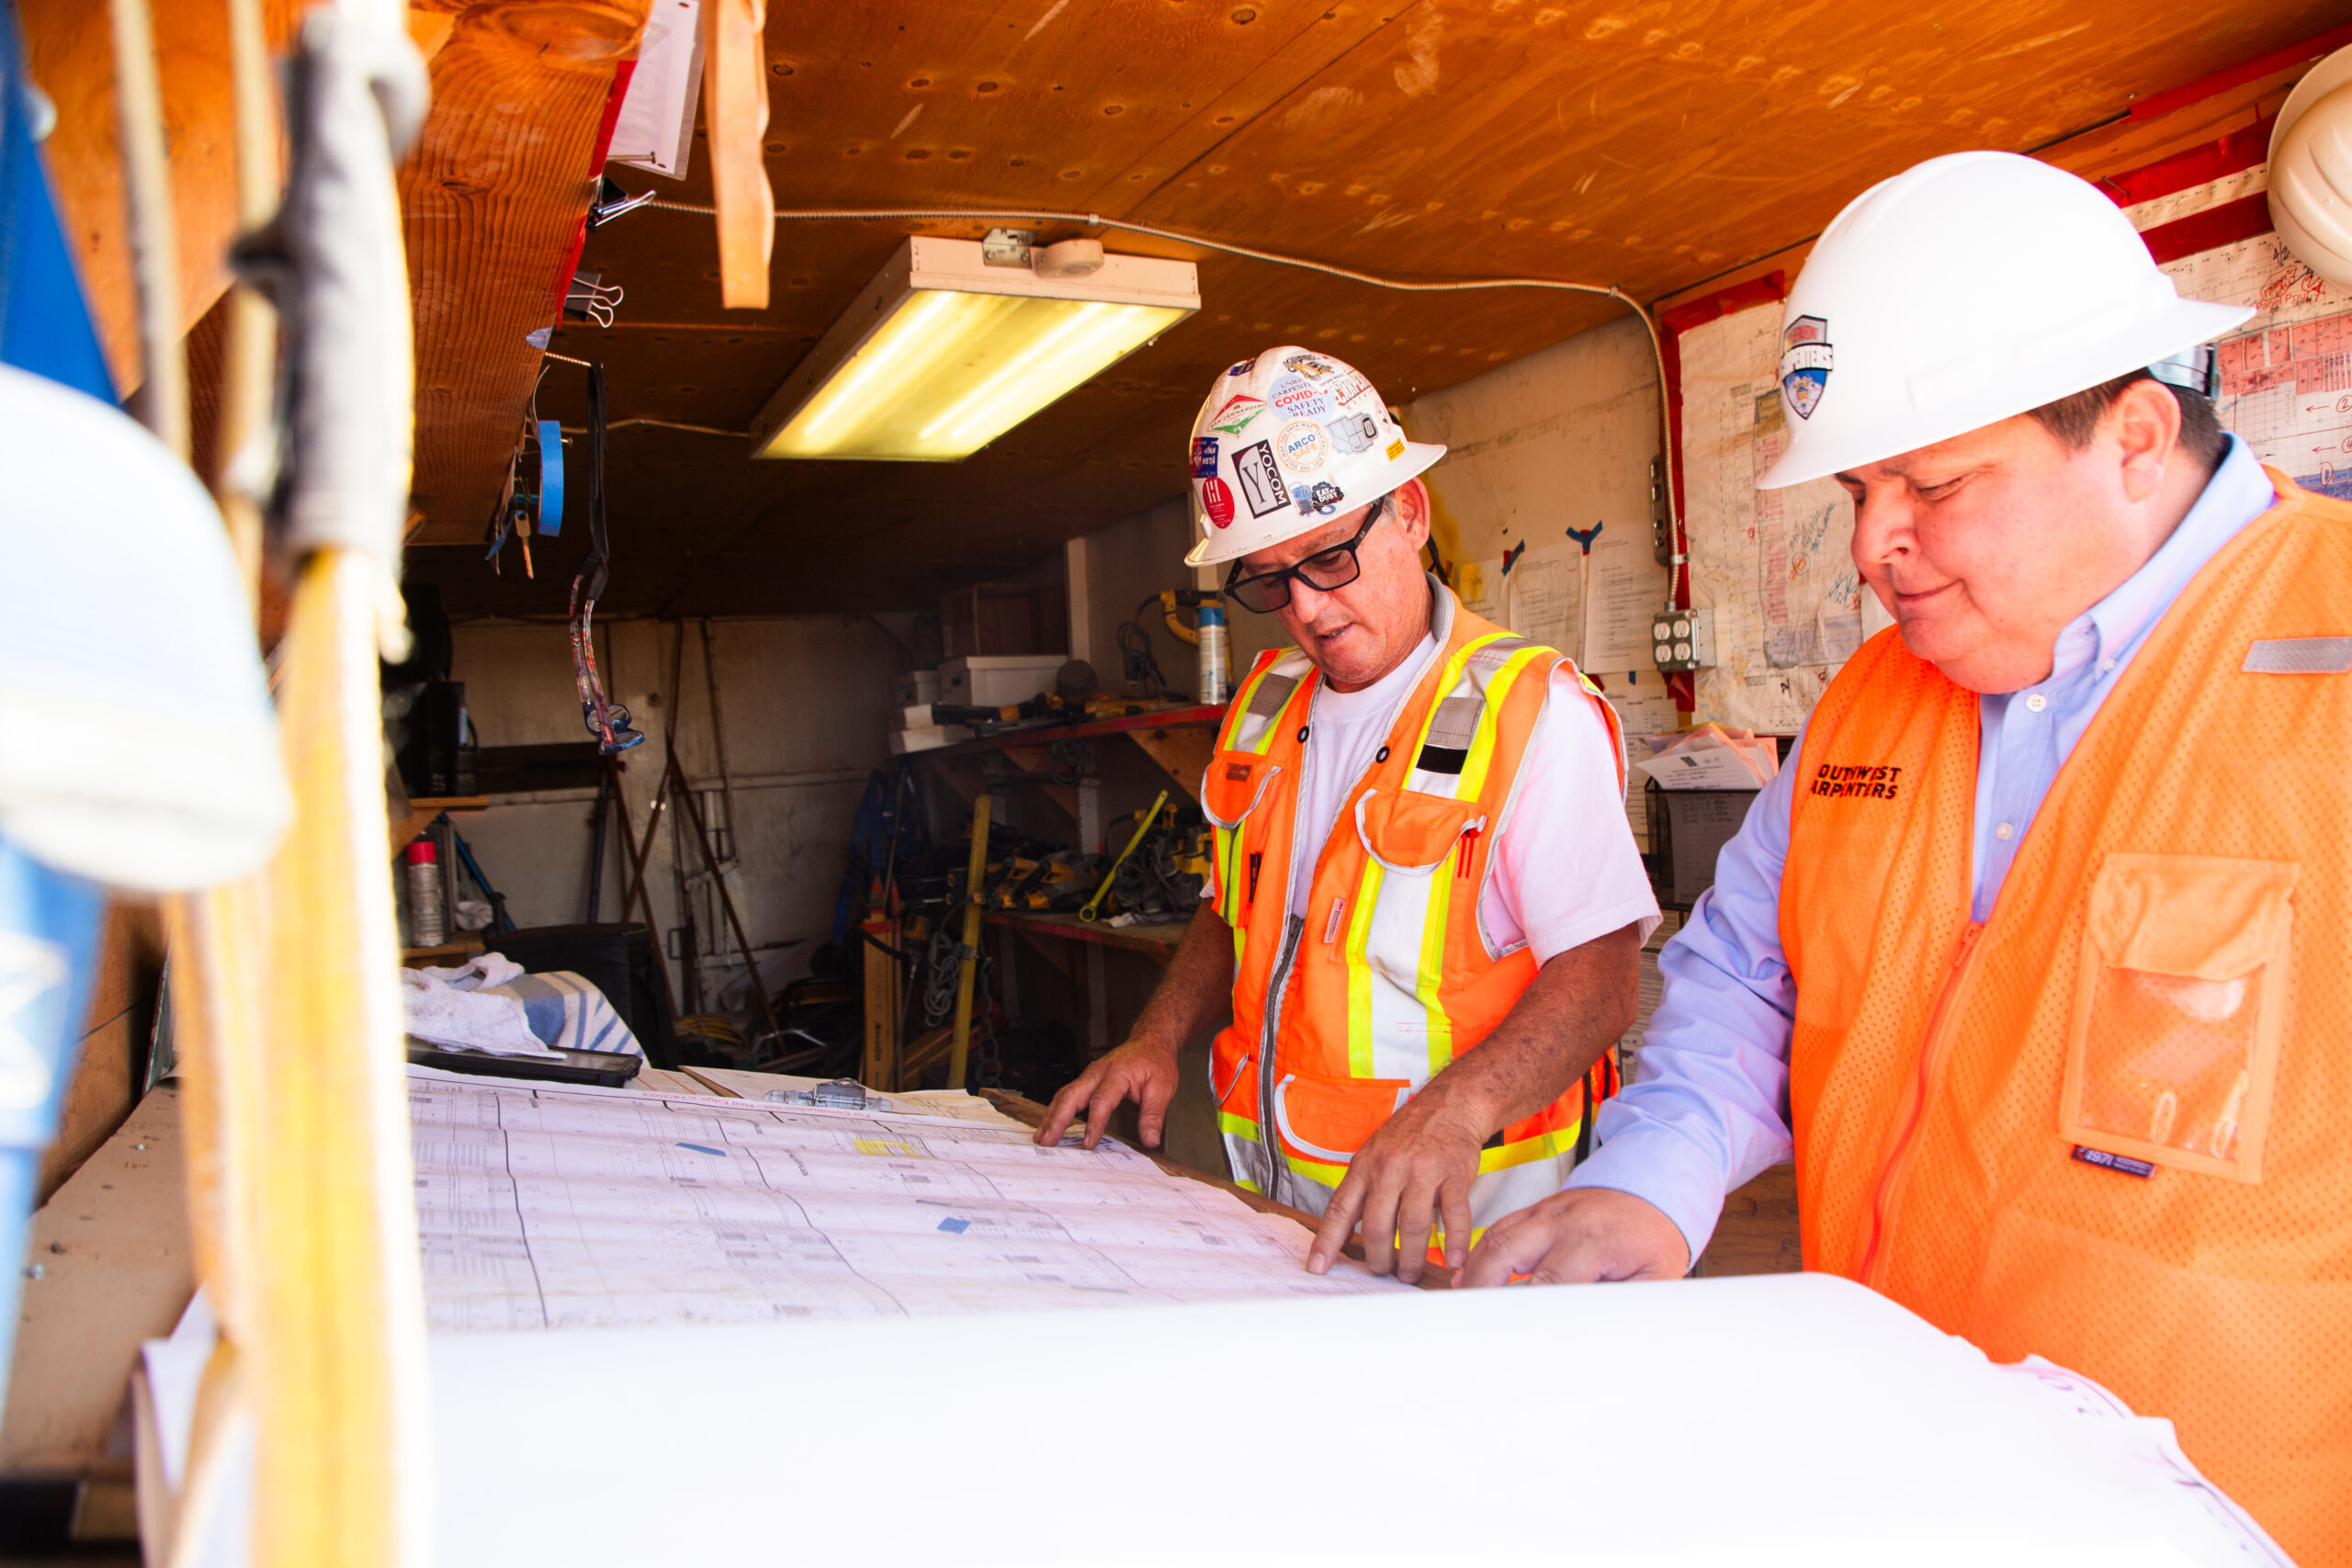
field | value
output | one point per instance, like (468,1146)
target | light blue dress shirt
(1707,1109)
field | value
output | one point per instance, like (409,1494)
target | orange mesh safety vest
(2112,1125)
(1340,1017)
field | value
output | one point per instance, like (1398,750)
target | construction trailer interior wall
(803,699)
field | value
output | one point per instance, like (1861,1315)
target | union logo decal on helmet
(1804,364)
(1238,410)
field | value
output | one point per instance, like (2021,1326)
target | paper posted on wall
(1774,566)
(1544,596)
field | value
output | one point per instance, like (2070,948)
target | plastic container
(993,681)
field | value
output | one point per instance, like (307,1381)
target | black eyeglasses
(1323,572)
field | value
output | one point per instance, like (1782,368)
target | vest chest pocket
(1234,783)
(1412,833)
(2179,1003)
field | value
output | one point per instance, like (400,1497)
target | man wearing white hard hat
(2039,959)
(1421,848)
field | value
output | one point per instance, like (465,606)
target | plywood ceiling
(1647,145)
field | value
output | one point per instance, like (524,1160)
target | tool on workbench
(967,954)
(1163,879)
(1094,906)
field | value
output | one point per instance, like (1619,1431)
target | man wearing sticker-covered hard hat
(2056,1014)
(1426,909)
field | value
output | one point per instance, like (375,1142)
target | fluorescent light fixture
(943,353)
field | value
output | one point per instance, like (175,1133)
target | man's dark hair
(2074,420)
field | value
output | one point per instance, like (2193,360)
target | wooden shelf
(422,809)
(1159,941)
(1047,733)
(466,949)
(1180,740)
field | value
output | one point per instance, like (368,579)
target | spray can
(426,926)
(1213,689)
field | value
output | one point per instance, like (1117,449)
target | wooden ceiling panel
(1649,143)
(492,197)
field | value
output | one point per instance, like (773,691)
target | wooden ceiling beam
(492,198)
(69,52)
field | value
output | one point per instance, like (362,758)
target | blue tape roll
(550,477)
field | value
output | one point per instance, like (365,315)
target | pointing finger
(1338,1222)
(1453,1199)
(1065,1106)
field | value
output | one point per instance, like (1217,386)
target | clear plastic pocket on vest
(1236,782)
(2179,1009)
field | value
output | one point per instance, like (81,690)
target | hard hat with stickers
(1286,442)
(1964,291)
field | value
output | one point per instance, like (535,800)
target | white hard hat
(142,750)
(1964,291)
(2310,170)
(1284,442)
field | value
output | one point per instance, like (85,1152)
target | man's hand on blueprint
(1416,1168)
(1138,1071)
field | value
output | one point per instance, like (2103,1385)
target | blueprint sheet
(550,1206)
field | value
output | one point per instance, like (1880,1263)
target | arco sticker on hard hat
(1302,445)
(1804,364)
(1262,478)
(1205,457)
(1217,502)
(1234,416)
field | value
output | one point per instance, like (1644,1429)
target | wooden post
(881,1006)
(971,949)
(735,113)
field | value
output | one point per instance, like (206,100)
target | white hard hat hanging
(1284,442)
(2311,169)
(1968,289)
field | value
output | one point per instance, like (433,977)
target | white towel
(445,1007)
(491,1005)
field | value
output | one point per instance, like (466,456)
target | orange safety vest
(1340,1017)
(2112,1125)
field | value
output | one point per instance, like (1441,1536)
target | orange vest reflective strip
(2107,1126)
(1340,1017)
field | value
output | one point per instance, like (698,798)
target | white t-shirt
(1564,869)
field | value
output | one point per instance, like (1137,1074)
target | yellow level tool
(1095,904)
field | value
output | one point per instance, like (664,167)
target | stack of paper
(1712,756)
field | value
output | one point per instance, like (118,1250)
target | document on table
(562,1207)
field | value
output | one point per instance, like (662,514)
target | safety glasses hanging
(1323,572)
(608,722)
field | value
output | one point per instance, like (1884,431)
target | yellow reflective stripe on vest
(1383,1042)
(1250,724)
(1437,911)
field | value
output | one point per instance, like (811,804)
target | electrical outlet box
(1683,640)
